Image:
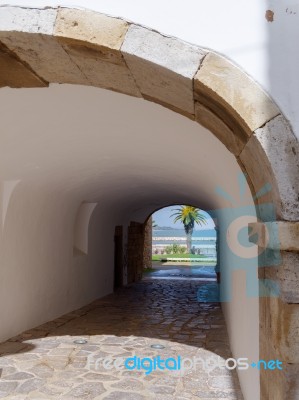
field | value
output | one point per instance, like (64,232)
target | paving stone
(51,391)
(86,391)
(30,385)
(162,389)
(18,376)
(7,386)
(212,395)
(42,371)
(124,324)
(124,396)
(221,382)
(27,357)
(7,371)
(61,351)
(92,376)
(163,396)
(128,384)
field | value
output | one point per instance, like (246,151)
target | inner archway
(167,247)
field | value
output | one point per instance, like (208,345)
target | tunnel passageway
(45,361)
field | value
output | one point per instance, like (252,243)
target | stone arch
(61,45)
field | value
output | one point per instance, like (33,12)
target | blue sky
(162,218)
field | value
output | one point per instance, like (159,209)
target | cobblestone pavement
(44,363)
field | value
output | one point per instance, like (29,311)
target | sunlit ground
(45,363)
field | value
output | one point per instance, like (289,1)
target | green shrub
(182,250)
(175,248)
(168,249)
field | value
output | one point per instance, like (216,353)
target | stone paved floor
(44,363)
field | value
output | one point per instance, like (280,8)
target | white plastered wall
(40,277)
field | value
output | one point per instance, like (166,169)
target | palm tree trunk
(189,242)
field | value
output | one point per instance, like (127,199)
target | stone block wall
(279,312)
(147,248)
(135,251)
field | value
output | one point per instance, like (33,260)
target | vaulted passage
(81,167)
(120,326)
(83,190)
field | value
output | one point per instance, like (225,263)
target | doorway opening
(183,244)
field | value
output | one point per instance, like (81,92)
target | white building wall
(41,279)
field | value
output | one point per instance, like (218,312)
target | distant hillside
(164,228)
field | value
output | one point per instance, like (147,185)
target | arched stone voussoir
(233,96)
(207,118)
(93,41)
(27,34)
(69,46)
(163,67)
(271,157)
(255,165)
(14,74)
(15,25)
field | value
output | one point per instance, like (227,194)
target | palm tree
(189,216)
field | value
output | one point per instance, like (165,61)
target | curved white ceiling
(95,145)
